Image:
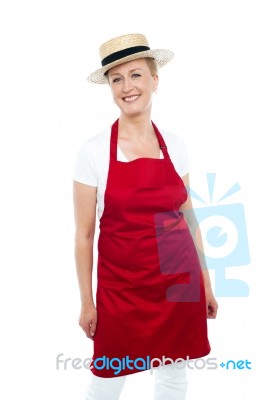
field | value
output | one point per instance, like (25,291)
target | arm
(212,305)
(84,197)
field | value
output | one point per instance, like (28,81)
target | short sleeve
(178,153)
(85,168)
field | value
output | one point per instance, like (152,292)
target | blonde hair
(152,65)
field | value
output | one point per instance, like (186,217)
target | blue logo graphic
(147,363)
(224,234)
(240,364)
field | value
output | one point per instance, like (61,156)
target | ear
(156,80)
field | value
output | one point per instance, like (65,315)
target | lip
(131,99)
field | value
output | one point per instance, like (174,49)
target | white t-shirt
(92,161)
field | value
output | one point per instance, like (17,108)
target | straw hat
(127,48)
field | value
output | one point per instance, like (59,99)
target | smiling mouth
(130,99)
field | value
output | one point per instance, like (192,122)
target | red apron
(150,295)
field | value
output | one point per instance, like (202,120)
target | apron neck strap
(114,141)
(161,141)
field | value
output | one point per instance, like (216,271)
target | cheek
(115,91)
(150,90)
(113,94)
(150,87)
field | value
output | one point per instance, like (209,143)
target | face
(132,86)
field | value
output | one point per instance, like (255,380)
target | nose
(127,87)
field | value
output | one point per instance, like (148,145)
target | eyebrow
(131,70)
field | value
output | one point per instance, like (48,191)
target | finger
(86,329)
(93,327)
(208,310)
(212,312)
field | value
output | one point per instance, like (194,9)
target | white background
(213,94)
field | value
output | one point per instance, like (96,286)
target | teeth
(131,98)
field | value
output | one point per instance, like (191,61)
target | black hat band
(123,53)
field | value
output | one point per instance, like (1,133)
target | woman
(154,293)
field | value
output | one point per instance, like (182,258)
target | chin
(133,113)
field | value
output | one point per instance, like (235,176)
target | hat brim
(161,57)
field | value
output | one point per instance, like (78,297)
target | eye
(136,75)
(115,80)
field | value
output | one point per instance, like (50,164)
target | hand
(88,320)
(212,305)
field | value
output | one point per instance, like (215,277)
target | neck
(139,128)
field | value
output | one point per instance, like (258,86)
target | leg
(170,383)
(105,388)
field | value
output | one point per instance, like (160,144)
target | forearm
(197,238)
(189,214)
(84,266)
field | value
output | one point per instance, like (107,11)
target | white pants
(170,383)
